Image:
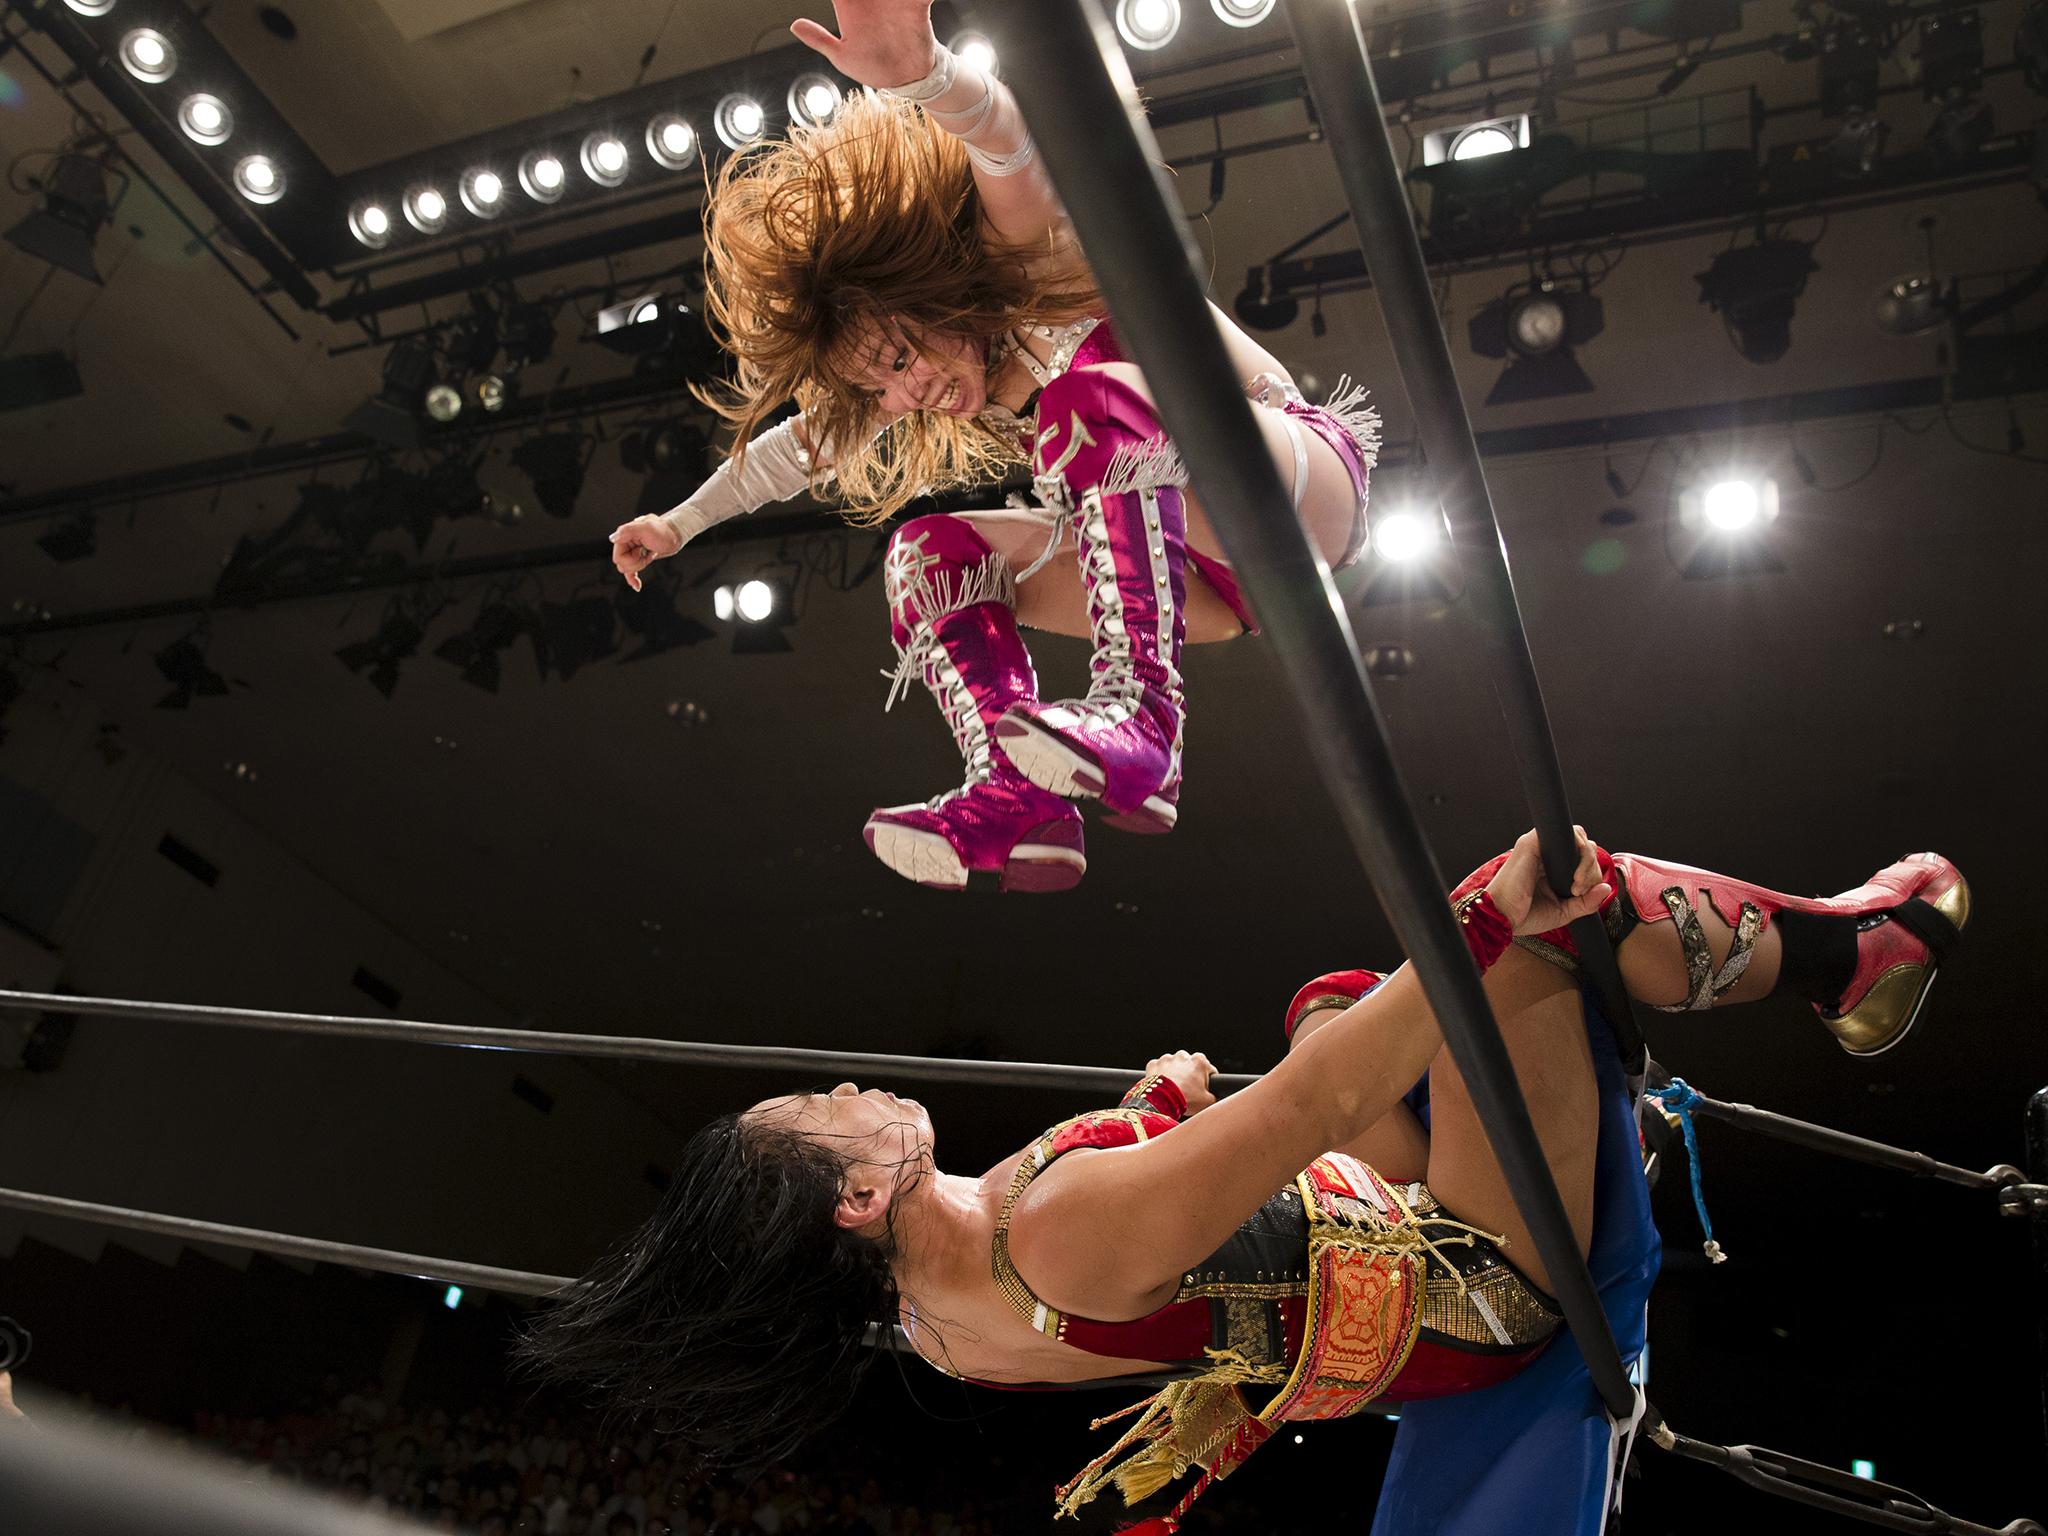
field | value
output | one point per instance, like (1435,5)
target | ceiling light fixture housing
(1241,13)
(148,55)
(482,191)
(1147,24)
(205,119)
(258,178)
(1475,141)
(672,142)
(370,223)
(542,176)
(605,160)
(739,120)
(813,100)
(426,207)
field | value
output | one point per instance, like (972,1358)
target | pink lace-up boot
(1103,461)
(952,607)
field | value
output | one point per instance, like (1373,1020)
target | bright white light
(487,188)
(205,119)
(819,100)
(258,179)
(482,191)
(444,402)
(755,600)
(1482,142)
(148,56)
(738,120)
(610,155)
(647,312)
(721,602)
(976,50)
(1147,24)
(541,175)
(547,171)
(1731,504)
(91,7)
(1242,13)
(1403,536)
(676,138)
(747,118)
(431,204)
(376,220)
(370,224)
(604,159)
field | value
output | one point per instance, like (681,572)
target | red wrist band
(1159,1094)
(1487,931)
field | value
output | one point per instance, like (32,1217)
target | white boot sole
(930,860)
(1052,764)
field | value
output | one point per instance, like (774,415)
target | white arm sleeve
(777,467)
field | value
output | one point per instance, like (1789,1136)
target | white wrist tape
(777,467)
(993,116)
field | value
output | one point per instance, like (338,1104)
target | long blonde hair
(814,243)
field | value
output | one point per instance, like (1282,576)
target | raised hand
(881,43)
(1524,896)
(638,544)
(1189,1071)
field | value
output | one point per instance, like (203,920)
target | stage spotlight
(1147,24)
(482,191)
(555,462)
(738,120)
(91,7)
(1405,535)
(183,665)
(576,633)
(977,50)
(1911,306)
(1851,61)
(426,208)
(499,624)
(527,333)
(1858,145)
(1951,54)
(672,142)
(1263,311)
(813,98)
(148,55)
(391,416)
(1242,13)
(1754,288)
(370,223)
(491,392)
(444,403)
(205,119)
(1959,131)
(1475,141)
(605,159)
(382,655)
(649,323)
(651,615)
(258,179)
(721,603)
(75,205)
(72,538)
(754,600)
(542,177)
(1723,517)
(2030,47)
(1536,327)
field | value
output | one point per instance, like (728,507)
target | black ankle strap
(1927,925)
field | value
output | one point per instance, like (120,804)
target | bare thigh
(1541,1018)
(1053,599)
(1396,1146)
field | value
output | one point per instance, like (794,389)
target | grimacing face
(875,1128)
(934,372)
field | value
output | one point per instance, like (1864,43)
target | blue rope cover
(1679,1097)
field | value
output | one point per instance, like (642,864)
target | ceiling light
(1263,310)
(1851,61)
(1959,131)
(1147,24)
(555,462)
(483,192)
(672,142)
(258,179)
(605,159)
(1732,504)
(1755,288)
(444,403)
(148,55)
(1242,13)
(1475,141)
(91,7)
(813,98)
(1404,535)
(205,119)
(1858,145)
(75,205)
(542,176)
(491,391)
(721,603)
(1911,306)
(739,121)
(754,601)
(370,223)
(976,50)
(426,208)
(1535,327)
(391,415)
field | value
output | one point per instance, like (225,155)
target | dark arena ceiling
(394,658)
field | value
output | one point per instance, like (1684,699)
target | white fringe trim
(1362,421)
(1146,465)
(932,597)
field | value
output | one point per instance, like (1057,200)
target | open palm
(881,43)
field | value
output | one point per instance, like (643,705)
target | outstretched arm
(1108,1233)
(889,44)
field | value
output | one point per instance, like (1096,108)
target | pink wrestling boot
(1102,458)
(952,609)
(1865,959)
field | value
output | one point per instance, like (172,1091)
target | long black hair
(732,1322)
